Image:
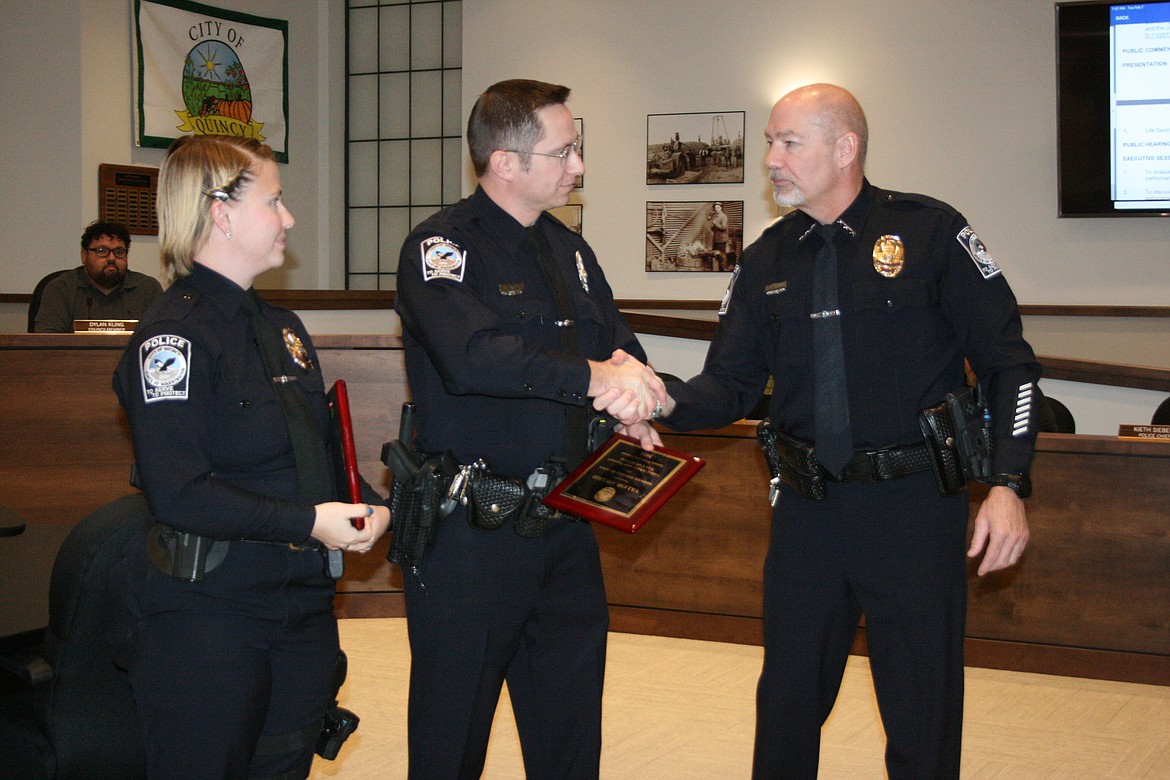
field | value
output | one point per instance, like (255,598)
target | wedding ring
(657,411)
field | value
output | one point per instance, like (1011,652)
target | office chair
(77,719)
(1055,417)
(1161,414)
(38,292)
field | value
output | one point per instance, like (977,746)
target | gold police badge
(296,348)
(889,255)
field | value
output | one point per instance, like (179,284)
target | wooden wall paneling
(66,446)
(1088,599)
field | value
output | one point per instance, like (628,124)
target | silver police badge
(725,304)
(442,259)
(983,260)
(584,277)
(889,255)
(296,348)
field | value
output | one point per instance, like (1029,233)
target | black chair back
(1161,414)
(86,711)
(38,292)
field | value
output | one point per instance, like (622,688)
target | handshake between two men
(627,389)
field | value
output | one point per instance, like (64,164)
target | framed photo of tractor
(700,148)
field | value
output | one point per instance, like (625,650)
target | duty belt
(793,462)
(491,498)
(187,556)
(883,464)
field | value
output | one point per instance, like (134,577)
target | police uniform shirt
(918,293)
(210,437)
(73,296)
(483,344)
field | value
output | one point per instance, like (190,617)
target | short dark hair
(504,117)
(97,229)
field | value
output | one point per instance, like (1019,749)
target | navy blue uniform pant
(485,606)
(895,552)
(235,691)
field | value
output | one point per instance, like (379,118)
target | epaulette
(917,199)
(178,304)
(555,222)
(783,222)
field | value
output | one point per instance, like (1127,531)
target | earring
(228,234)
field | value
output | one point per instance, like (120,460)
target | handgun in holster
(959,438)
(420,496)
(183,555)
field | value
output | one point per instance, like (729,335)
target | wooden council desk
(1089,599)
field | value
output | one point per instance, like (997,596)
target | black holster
(791,462)
(418,499)
(420,496)
(958,435)
(183,555)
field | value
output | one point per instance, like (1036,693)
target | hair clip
(219,195)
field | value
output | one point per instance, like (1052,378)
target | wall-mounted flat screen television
(1113,105)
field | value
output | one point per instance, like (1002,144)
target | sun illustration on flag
(215,84)
(209,66)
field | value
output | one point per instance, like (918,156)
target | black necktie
(314,475)
(834,440)
(576,417)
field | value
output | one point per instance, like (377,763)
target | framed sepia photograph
(693,235)
(704,148)
(570,214)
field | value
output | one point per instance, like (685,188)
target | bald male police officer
(917,292)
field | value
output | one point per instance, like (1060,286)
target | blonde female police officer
(233,659)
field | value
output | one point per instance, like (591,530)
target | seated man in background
(102,288)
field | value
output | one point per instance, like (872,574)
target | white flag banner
(206,70)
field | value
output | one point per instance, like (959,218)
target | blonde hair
(199,170)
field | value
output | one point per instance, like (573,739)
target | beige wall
(960,96)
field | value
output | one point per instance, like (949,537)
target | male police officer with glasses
(510,330)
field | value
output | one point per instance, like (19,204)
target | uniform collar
(213,285)
(852,220)
(502,225)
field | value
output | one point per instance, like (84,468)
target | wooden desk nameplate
(104,326)
(1144,432)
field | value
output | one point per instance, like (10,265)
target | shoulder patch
(165,368)
(442,259)
(974,246)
